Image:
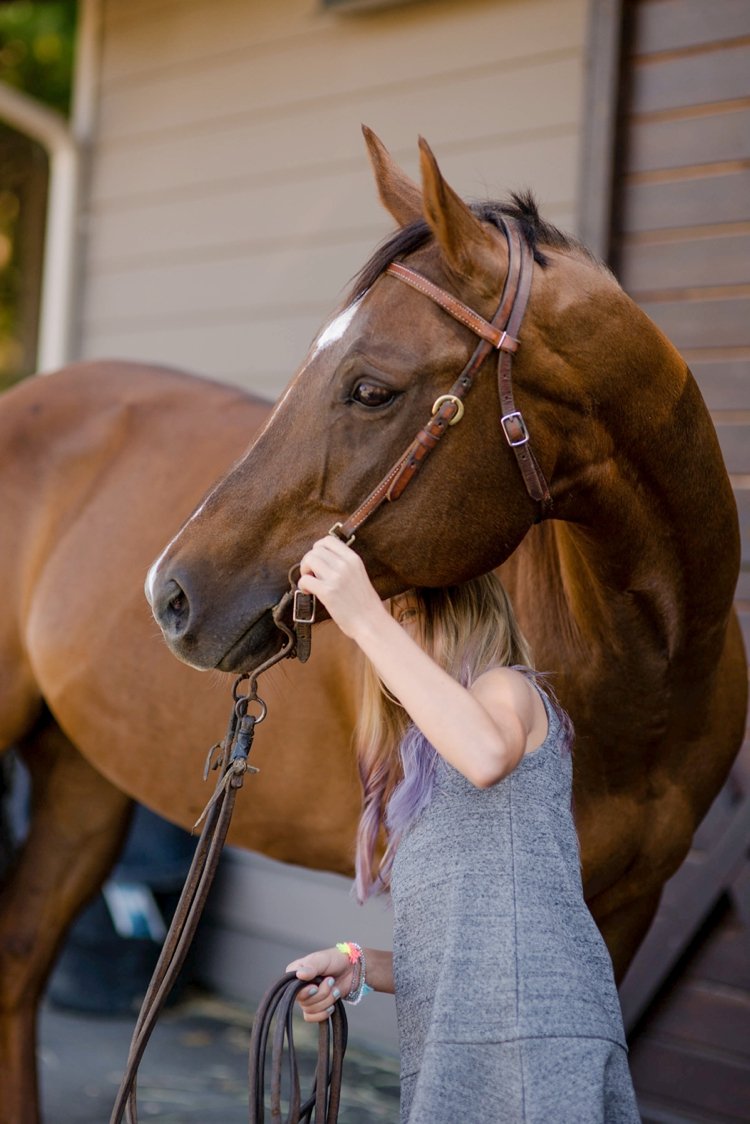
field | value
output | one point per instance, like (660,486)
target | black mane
(521,207)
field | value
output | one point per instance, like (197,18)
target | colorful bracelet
(360,988)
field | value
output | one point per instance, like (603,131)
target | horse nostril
(177,603)
(174,608)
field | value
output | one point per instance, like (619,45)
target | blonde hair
(466,629)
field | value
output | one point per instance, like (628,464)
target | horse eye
(372,394)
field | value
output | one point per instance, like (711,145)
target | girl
(506,1002)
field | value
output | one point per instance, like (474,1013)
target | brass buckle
(517,417)
(449,398)
(299,606)
(336,530)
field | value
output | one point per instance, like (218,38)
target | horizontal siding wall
(683,246)
(230,198)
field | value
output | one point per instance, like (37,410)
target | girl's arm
(483,732)
(337,971)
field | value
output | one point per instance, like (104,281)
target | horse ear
(398,193)
(461,236)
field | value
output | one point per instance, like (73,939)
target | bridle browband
(501,334)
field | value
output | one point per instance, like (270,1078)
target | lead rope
(230,758)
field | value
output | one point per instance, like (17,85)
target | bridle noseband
(500,334)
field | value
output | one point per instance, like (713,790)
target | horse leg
(624,926)
(78,822)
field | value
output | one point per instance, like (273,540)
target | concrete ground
(194,1070)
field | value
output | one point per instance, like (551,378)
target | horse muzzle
(203,634)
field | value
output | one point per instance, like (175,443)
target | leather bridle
(500,334)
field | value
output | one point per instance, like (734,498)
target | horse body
(101,463)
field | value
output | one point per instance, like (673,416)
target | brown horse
(626,593)
(101,463)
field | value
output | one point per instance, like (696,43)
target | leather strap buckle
(303,608)
(514,428)
(338,531)
(456,402)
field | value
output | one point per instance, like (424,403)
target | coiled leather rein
(278,1003)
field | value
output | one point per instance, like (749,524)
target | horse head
(369,382)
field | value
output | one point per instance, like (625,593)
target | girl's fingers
(317,1018)
(329,552)
(334,544)
(318,1001)
(326,992)
(319,566)
(311,564)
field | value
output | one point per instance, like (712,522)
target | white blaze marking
(336,329)
(151,576)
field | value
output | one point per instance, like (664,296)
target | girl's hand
(334,573)
(317,1001)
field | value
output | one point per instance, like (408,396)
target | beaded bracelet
(360,988)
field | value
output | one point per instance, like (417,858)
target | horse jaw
(258,643)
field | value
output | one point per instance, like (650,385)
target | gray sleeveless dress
(506,1003)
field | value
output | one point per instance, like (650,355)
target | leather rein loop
(278,1003)
(500,334)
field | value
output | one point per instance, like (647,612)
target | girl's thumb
(300,968)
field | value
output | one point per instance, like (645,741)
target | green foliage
(36,49)
(37,42)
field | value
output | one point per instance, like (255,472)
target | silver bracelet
(360,988)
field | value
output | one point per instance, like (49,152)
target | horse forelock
(536,232)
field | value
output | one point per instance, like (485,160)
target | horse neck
(648,532)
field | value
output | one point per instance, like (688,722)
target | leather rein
(230,757)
